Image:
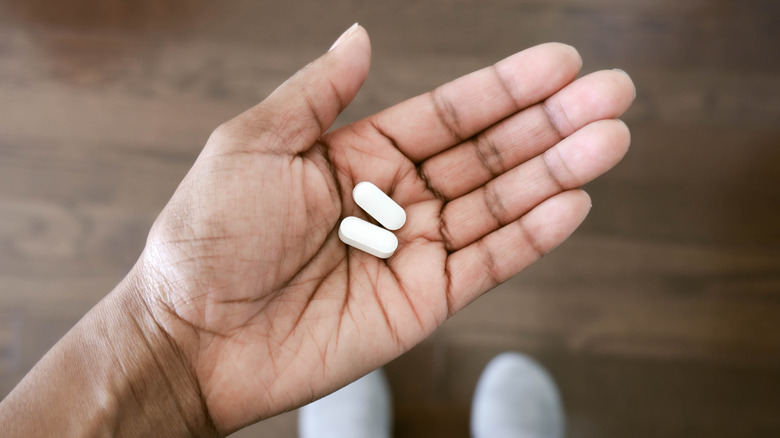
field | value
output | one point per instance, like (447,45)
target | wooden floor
(660,317)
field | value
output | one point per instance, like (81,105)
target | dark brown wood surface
(660,317)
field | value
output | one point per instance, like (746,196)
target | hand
(244,268)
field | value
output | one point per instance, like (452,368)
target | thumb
(297,113)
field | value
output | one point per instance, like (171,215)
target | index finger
(432,122)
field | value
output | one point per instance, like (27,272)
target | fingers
(459,170)
(571,163)
(498,256)
(304,107)
(430,123)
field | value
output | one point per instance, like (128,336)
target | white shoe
(361,409)
(515,397)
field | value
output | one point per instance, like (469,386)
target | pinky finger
(505,252)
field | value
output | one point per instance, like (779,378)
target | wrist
(156,388)
(116,373)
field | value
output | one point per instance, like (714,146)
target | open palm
(270,307)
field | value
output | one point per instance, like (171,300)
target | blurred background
(659,317)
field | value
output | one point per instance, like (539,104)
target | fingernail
(624,72)
(344,36)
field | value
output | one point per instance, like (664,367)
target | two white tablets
(366,236)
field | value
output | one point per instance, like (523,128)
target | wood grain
(660,317)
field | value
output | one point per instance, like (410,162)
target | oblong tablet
(377,204)
(367,237)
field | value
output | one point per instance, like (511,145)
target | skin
(245,303)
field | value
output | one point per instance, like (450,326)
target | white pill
(367,237)
(377,204)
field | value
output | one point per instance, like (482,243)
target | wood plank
(639,300)
(658,318)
